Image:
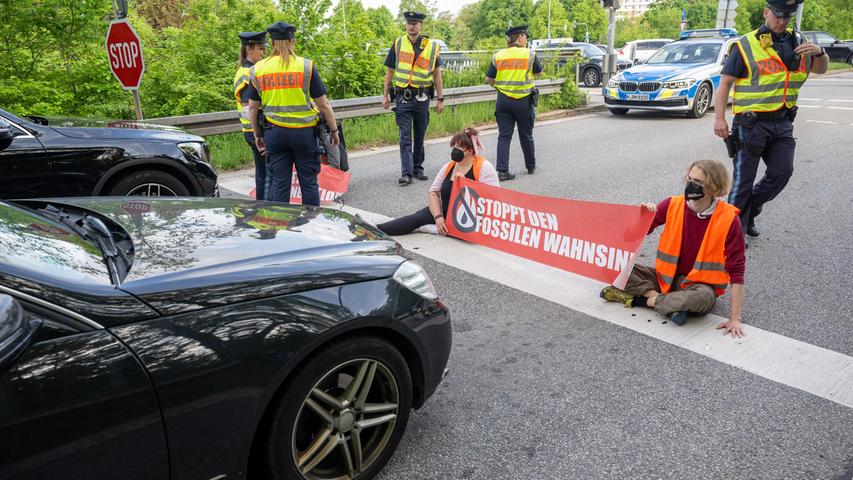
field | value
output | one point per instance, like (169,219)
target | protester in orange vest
(465,162)
(700,253)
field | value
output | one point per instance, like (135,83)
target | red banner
(596,240)
(333,184)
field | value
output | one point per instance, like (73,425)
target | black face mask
(457,154)
(693,191)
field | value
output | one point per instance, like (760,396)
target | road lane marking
(822,121)
(810,368)
(840,108)
(839,100)
(810,106)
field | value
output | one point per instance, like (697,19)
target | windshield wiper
(96,231)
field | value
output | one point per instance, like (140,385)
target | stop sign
(125,54)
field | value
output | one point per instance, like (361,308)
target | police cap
(516,30)
(784,8)
(281,31)
(412,16)
(253,38)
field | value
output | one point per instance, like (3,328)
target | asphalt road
(538,390)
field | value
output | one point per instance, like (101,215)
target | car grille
(628,86)
(649,86)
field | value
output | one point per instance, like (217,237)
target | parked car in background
(593,65)
(207,338)
(638,51)
(680,77)
(61,158)
(838,50)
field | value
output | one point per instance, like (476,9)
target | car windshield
(686,53)
(592,51)
(34,244)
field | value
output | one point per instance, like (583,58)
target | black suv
(41,158)
(590,70)
(838,50)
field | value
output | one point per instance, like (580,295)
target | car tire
(302,443)
(591,77)
(701,102)
(618,111)
(153,183)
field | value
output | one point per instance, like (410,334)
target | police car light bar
(708,33)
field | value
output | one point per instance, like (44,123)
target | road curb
(553,114)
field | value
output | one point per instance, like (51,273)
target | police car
(680,77)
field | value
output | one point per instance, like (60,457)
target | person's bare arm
(435,210)
(329,115)
(490,81)
(819,64)
(254,110)
(721,99)
(734,325)
(439,89)
(386,87)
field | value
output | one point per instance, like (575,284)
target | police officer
(252,48)
(413,76)
(767,68)
(283,85)
(511,73)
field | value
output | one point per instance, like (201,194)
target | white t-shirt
(488,175)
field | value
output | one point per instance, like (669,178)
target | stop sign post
(124,51)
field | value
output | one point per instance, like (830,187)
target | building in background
(633,8)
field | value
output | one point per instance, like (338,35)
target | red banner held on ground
(333,184)
(596,240)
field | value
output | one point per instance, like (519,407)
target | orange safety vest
(710,265)
(478,163)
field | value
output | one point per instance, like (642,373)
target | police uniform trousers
(768,140)
(510,112)
(260,166)
(412,120)
(287,147)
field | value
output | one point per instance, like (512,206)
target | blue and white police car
(680,77)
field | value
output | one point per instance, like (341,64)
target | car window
(657,44)
(643,46)
(37,245)
(824,38)
(592,51)
(686,53)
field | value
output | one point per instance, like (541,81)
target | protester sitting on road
(700,252)
(465,162)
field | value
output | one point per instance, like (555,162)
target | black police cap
(516,30)
(787,8)
(253,38)
(414,16)
(281,31)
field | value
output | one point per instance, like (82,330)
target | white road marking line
(816,370)
(812,99)
(810,106)
(822,121)
(838,100)
(840,108)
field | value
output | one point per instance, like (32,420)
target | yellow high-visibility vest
(284,90)
(515,71)
(769,84)
(412,72)
(241,81)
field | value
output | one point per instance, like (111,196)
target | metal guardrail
(460,60)
(228,122)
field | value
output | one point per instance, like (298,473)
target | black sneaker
(531,170)
(405,180)
(504,176)
(421,176)
(752,231)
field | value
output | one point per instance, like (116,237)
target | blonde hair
(718,179)
(284,49)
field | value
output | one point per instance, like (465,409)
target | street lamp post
(549,21)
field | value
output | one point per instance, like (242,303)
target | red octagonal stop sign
(125,54)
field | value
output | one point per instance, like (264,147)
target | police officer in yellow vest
(413,76)
(767,68)
(252,48)
(283,85)
(511,73)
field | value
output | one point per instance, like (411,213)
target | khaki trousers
(696,298)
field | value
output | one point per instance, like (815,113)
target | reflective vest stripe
(514,67)
(241,80)
(769,85)
(285,91)
(709,267)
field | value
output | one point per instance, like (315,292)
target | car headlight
(195,151)
(680,83)
(412,276)
(613,83)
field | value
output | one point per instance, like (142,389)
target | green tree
(463,36)
(493,17)
(590,13)
(560,24)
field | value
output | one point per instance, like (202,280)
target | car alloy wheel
(701,102)
(350,412)
(591,77)
(152,190)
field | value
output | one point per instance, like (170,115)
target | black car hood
(192,253)
(122,129)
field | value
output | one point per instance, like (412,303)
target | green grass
(839,66)
(230,151)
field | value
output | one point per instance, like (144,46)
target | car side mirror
(16,332)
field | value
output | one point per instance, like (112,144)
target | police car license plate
(635,96)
